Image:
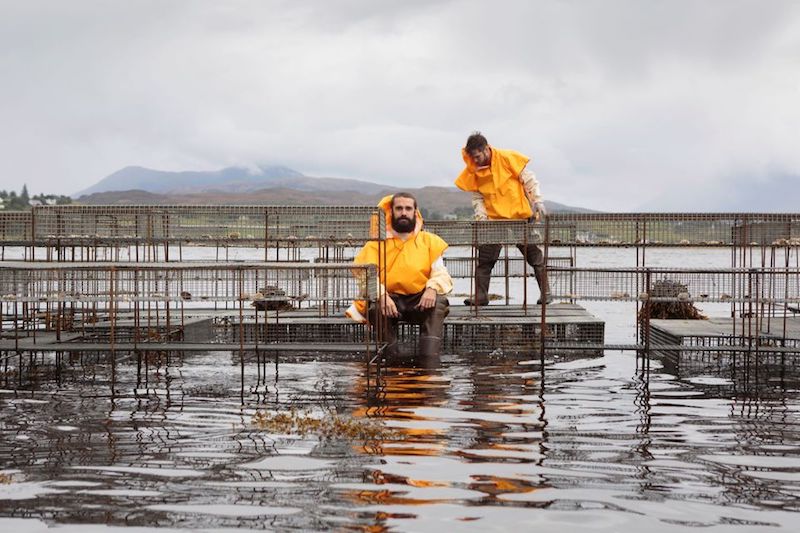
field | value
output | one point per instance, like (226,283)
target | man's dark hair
(404,195)
(476,141)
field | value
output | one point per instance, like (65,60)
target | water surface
(473,442)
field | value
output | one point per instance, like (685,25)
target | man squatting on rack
(502,188)
(413,281)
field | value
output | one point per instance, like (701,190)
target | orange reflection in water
(398,392)
(397,397)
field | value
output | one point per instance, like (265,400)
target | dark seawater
(480,443)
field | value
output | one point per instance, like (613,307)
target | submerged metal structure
(121,281)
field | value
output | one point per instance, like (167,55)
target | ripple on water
(224,510)
(289,462)
(145,471)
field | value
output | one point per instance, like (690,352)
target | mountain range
(264,185)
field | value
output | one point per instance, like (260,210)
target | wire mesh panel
(353,224)
(208,223)
(361,223)
(170,282)
(596,229)
(512,266)
(671,229)
(15,227)
(91,222)
(316,330)
(767,229)
(595,284)
(468,232)
(713,285)
(698,229)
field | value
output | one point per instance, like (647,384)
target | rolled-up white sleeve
(440,279)
(479,206)
(531,186)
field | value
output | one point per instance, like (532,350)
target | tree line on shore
(11,201)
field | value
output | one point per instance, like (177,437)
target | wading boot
(429,346)
(544,287)
(487,257)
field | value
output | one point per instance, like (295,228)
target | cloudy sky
(623,105)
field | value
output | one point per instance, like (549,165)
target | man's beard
(402,225)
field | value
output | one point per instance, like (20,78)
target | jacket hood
(386,205)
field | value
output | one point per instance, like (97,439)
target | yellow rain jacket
(409,264)
(498,183)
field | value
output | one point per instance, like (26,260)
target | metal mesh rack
(512,267)
(468,233)
(514,334)
(713,344)
(205,223)
(293,328)
(123,308)
(15,227)
(732,285)
(506,266)
(359,223)
(762,285)
(673,229)
(184,282)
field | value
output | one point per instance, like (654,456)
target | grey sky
(623,105)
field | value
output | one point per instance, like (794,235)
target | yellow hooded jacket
(498,183)
(408,268)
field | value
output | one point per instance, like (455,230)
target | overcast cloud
(622,105)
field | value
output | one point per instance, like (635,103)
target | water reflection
(459,425)
(477,442)
(587,437)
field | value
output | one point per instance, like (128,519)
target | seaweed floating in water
(329,426)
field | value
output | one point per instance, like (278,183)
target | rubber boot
(487,257)
(429,346)
(544,287)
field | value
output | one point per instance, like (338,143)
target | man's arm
(440,282)
(531,187)
(440,279)
(479,206)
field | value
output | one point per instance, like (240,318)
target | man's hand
(539,211)
(388,308)
(428,299)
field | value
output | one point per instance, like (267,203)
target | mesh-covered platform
(674,337)
(508,329)
(505,328)
(68,307)
(726,345)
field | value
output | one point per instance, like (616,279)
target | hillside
(267,186)
(231,179)
(437,201)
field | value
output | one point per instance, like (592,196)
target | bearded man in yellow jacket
(413,280)
(502,188)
